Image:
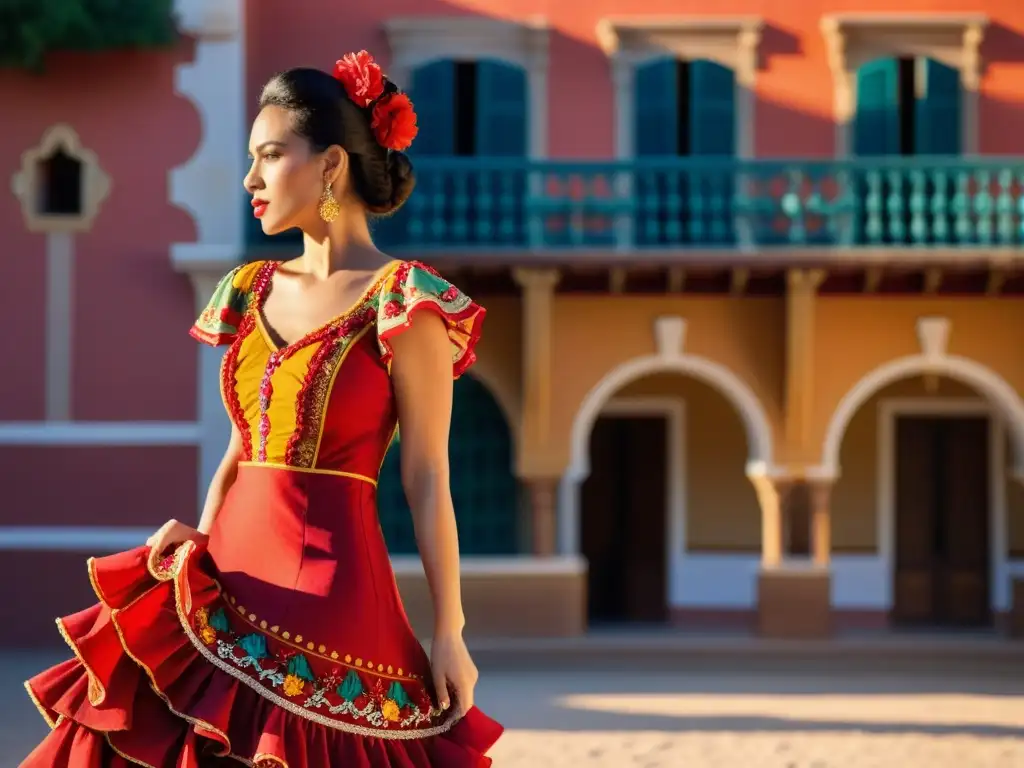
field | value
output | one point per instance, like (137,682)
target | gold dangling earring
(329,208)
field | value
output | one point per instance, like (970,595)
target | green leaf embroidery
(397,694)
(299,667)
(351,687)
(255,646)
(219,621)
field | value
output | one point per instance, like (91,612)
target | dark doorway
(942,522)
(623,520)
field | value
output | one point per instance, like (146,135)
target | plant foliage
(31,29)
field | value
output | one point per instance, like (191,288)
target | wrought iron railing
(901,202)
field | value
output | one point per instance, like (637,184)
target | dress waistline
(309,470)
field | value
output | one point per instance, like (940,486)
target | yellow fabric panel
(287,382)
(252,361)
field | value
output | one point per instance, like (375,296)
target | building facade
(752,281)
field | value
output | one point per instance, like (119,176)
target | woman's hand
(171,534)
(454,672)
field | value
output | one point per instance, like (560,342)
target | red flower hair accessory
(392,118)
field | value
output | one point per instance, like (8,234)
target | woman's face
(286,178)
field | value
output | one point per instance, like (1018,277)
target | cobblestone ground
(716,718)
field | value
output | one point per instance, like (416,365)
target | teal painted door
(656,96)
(712,110)
(656,134)
(432,92)
(497,211)
(484,489)
(876,128)
(937,110)
(710,189)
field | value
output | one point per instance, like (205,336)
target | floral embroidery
(358,695)
(414,286)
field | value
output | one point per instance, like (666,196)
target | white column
(209,187)
(60,275)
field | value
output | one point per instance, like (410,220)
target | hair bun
(403,180)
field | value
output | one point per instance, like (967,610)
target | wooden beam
(932,280)
(676,279)
(996,280)
(738,284)
(873,279)
(617,280)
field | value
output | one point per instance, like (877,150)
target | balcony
(704,206)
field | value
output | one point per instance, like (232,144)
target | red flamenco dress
(283,643)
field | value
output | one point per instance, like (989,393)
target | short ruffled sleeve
(413,287)
(219,322)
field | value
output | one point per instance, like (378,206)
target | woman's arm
(221,482)
(421,371)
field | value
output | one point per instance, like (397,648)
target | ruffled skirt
(143,689)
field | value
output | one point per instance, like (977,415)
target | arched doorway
(485,491)
(921,526)
(629,494)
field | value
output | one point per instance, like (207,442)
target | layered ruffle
(144,688)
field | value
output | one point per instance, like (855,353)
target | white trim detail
(933,360)
(419,40)
(673,410)
(61,538)
(26,184)
(669,359)
(889,410)
(99,433)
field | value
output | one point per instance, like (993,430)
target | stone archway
(933,333)
(670,333)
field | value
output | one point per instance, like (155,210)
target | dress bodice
(324,403)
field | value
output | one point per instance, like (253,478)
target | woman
(273,635)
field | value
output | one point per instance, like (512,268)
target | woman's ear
(335,164)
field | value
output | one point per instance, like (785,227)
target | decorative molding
(208,185)
(419,40)
(933,335)
(731,41)
(854,39)
(669,336)
(26,183)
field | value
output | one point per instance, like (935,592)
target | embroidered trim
(229,386)
(416,286)
(42,710)
(172,569)
(299,643)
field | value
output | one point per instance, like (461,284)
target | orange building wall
(794,84)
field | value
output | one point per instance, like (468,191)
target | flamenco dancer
(273,635)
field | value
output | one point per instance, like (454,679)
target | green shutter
(656,96)
(502,118)
(712,109)
(877,124)
(433,94)
(484,488)
(937,110)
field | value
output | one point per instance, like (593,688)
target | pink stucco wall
(794,86)
(131,359)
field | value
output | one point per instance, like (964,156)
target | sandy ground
(713,718)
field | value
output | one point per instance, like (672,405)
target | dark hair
(324,116)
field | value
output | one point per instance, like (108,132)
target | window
(907,106)
(685,108)
(473,108)
(60,188)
